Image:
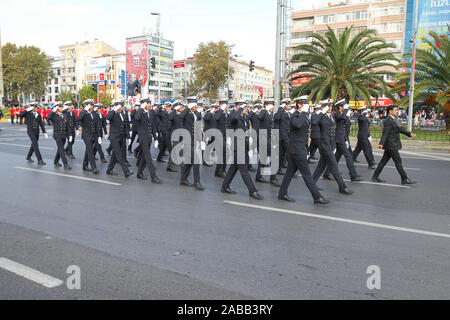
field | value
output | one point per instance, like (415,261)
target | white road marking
(390,167)
(29,273)
(25,146)
(69,176)
(426,155)
(379,184)
(351,221)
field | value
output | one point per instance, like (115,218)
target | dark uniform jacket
(117,126)
(133,120)
(162,120)
(188,120)
(282,123)
(298,139)
(254,121)
(145,125)
(240,121)
(210,121)
(315,128)
(101,124)
(390,139)
(220,116)
(363,127)
(266,122)
(60,127)
(340,127)
(327,132)
(33,122)
(88,125)
(72,122)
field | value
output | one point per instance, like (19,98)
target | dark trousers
(98,148)
(133,137)
(163,141)
(395,155)
(222,167)
(117,155)
(328,159)
(124,150)
(260,165)
(366,148)
(109,149)
(12,119)
(69,147)
(186,168)
(34,147)
(243,169)
(171,146)
(313,146)
(20,119)
(341,150)
(145,158)
(283,152)
(60,152)
(299,162)
(89,156)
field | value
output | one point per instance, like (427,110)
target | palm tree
(432,76)
(344,67)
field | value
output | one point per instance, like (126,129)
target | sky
(248,24)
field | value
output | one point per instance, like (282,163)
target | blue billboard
(433,15)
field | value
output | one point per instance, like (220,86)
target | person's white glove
(157,135)
(46,136)
(116,108)
(268,161)
(29,109)
(223,107)
(308,156)
(78,133)
(334,151)
(156,144)
(99,140)
(292,111)
(70,138)
(347,145)
(86,108)
(229,141)
(250,140)
(128,142)
(250,153)
(131,134)
(370,139)
(211,110)
(203,145)
(107,136)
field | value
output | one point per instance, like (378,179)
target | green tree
(65,95)
(106,100)
(25,70)
(344,66)
(432,76)
(87,92)
(211,68)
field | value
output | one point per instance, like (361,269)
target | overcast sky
(249,24)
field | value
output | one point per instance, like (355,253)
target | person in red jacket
(12,113)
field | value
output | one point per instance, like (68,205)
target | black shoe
(372,167)
(161,160)
(346,191)
(408,181)
(96,159)
(87,169)
(285,166)
(260,179)
(256,195)
(378,180)
(321,200)
(357,179)
(228,190)
(328,178)
(171,169)
(30,160)
(220,175)
(95,171)
(57,164)
(130,151)
(286,198)
(251,169)
(275,183)
(104,160)
(111,173)
(140,176)
(67,167)
(186,183)
(129,173)
(199,186)
(313,158)
(156,180)
(71,157)
(41,163)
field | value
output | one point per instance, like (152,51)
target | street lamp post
(413,68)
(158,30)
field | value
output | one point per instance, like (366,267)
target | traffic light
(251,67)
(94,86)
(230,94)
(184,93)
(153,62)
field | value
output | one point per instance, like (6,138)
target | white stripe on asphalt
(69,176)
(363,223)
(30,274)
(426,155)
(390,167)
(380,184)
(25,146)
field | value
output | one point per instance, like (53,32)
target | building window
(56,90)
(343,17)
(359,15)
(325,19)
(303,23)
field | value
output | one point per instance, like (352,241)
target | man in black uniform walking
(391,144)
(89,134)
(145,121)
(281,122)
(239,121)
(364,139)
(315,133)
(221,119)
(137,106)
(298,154)
(327,149)
(162,118)
(72,127)
(34,121)
(173,123)
(60,134)
(100,123)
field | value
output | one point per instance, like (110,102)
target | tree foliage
(106,100)
(344,66)
(25,70)
(65,95)
(87,92)
(211,68)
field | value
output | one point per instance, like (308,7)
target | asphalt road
(133,239)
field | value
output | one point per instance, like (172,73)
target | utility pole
(2,92)
(278,54)
(158,30)
(413,69)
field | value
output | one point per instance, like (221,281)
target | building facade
(252,86)
(183,75)
(54,83)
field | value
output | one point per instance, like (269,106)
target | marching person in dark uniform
(327,149)
(100,122)
(364,139)
(240,121)
(210,123)
(89,134)
(118,135)
(145,121)
(60,133)
(315,133)
(298,154)
(281,122)
(342,143)
(253,117)
(391,144)
(220,116)
(173,123)
(189,117)
(127,117)
(348,126)
(72,128)
(266,123)
(137,106)
(162,116)
(34,121)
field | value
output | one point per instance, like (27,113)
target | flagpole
(413,69)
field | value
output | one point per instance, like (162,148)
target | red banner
(179,64)
(137,66)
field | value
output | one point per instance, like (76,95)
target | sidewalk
(413,145)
